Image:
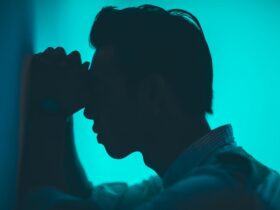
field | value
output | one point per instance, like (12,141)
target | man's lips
(98,137)
(95,129)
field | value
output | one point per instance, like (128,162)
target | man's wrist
(48,107)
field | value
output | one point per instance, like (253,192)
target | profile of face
(120,121)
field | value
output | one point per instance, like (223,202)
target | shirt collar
(197,152)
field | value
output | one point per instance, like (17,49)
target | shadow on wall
(15,42)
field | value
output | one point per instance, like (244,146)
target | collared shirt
(198,152)
(211,189)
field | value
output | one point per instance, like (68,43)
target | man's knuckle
(49,49)
(60,50)
(75,54)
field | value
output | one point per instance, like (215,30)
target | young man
(148,89)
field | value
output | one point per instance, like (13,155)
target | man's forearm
(50,157)
(43,151)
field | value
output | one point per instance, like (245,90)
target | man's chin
(117,154)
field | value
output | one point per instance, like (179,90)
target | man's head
(152,65)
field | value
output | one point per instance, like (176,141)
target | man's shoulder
(228,179)
(240,170)
(235,162)
(204,190)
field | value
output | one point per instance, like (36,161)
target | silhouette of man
(148,89)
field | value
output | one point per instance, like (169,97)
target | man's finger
(36,57)
(49,50)
(60,50)
(46,56)
(86,65)
(58,54)
(74,58)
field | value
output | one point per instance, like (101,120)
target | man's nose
(90,111)
(87,113)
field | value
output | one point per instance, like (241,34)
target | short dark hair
(151,40)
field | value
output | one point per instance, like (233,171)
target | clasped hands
(58,82)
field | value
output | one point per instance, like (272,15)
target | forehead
(104,62)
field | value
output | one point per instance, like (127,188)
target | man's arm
(49,157)
(43,152)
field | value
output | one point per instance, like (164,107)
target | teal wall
(244,40)
(16,44)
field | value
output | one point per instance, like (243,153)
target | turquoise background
(244,41)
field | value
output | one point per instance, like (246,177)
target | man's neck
(170,144)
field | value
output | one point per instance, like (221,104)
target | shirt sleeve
(109,196)
(120,196)
(138,194)
(46,198)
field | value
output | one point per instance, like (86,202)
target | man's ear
(151,93)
